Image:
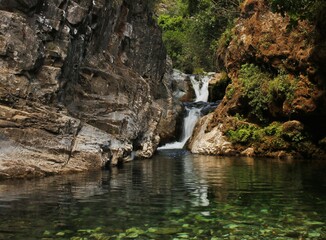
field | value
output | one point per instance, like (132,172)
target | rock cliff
(275,105)
(83,84)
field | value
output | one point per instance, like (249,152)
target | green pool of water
(175,195)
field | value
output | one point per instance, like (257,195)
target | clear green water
(175,195)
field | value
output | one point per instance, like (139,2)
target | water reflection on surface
(175,195)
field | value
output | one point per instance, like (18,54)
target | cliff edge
(83,84)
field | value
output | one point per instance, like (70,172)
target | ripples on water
(175,195)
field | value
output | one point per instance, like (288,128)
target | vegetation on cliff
(193,29)
(300,9)
(276,98)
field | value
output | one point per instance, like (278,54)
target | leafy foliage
(191,29)
(261,89)
(174,34)
(292,6)
(274,129)
(313,10)
(255,87)
(246,134)
(225,37)
(243,134)
(282,88)
(230,90)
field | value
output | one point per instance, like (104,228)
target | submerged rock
(76,76)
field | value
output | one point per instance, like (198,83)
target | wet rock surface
(83,84)
(205,107)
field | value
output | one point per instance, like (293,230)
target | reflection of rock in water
(52,189)
(214,171)
(172,189)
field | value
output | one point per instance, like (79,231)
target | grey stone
(82,85)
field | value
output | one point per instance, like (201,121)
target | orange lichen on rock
(290,57)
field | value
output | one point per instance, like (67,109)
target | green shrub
(226,37)
(294,136)
(171,23)
(282,88)
(313,10)
(274,129)
(255,87)
(249,134)
(196,26)
(261,89)
(198,71)
(243,134)
(173,36)
(230,90)
(272,136)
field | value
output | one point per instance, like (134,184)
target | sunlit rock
(209,142)
(83,84)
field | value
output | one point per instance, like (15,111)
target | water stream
(193,112)
(200,86)
(189,122)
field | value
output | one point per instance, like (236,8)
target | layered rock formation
(83,84)
(275,105)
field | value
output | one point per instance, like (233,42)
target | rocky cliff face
(83,84)
(275,105)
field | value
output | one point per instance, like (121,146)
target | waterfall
(189,123)
(193,113)
(200,87)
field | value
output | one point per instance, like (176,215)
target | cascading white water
(200,87)
(193,114)
(189,123)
